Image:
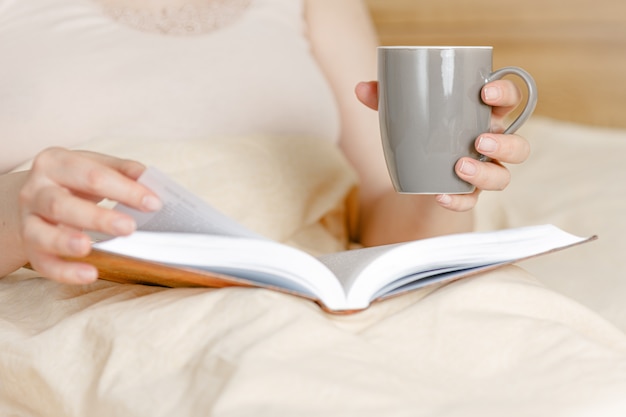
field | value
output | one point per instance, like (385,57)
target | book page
(182,211)
(202,237)
(261,261)
(370,273)
(348,265)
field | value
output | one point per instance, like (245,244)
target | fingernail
(123,226)
(468,168)
(87,274)
(444,199)
(151,203)
(486,145)
(78,245)
(492,93)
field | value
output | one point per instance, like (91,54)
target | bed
(546,337)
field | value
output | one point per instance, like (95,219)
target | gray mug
(431,112)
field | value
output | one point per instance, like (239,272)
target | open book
(189,243)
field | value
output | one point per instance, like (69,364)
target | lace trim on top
(184,19)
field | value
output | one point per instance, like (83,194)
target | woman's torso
(72,74)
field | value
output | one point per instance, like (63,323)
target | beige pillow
(296,190)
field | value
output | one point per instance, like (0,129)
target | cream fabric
(575,179)
(268,184)
(70,74)
(497,344)
(178,17)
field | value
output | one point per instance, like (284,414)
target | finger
(502,95)
(96,175)
(46,244)
(42,237)
(459,202)
(367,93)
(484,175)
(512,149)
(66,272)
(127,167)
(58,206)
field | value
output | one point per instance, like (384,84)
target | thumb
(367,93)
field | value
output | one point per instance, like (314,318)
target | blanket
(576,180)
(499,343)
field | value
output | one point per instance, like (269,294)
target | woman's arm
(344,42)
(13,257)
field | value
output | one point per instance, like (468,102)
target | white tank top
(71,74)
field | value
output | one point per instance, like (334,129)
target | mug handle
(531,102)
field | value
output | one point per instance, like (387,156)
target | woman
(283,66)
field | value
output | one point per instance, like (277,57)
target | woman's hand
(58,201)
(503,96)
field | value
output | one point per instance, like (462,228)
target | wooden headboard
(575,49)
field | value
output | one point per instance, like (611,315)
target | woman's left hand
(503,96)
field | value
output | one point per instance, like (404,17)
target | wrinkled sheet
(501,343)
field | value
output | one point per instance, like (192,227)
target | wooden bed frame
(575,49)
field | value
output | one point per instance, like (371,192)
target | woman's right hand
(58,201)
